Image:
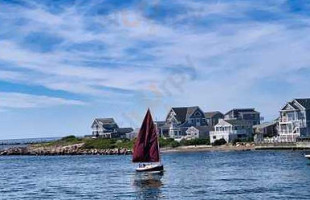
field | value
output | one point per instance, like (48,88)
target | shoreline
(204,148)
(77,150)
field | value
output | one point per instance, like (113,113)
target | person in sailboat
(146,148)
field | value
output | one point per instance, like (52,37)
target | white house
(192,133)
(108,128)
(104,127)
(231,129)
(197,132)
(294,121)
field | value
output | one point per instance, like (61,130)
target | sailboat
(146,147)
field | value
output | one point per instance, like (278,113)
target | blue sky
(63,63)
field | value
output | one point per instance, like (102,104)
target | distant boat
(307,156)
(146,148)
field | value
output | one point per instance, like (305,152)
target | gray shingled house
(247,114)
(180,119)
(294,121)
(108,128)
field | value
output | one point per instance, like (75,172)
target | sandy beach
(197,148)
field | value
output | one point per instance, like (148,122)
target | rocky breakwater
(76,149)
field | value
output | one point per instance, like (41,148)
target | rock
(66,150)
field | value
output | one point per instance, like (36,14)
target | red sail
(146,146)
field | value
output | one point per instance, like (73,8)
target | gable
(192,130)
(94,124)
(171,116)
(302,104)
(288,106)
(196,113)
(223,123)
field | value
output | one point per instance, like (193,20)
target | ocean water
(6,144)
(198,175)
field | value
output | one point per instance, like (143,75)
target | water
(201,175)
(6,144)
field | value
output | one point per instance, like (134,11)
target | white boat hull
(151,168)
(307,156)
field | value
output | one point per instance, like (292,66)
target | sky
(64,63)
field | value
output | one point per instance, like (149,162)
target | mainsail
(146,147)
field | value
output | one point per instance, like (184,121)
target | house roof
(304,102)
(105,120)
(182,113)
(107,123)
(242,110)
(265,124)
(293,105)
(204,128)
(212,114)
(124,130)
(236,122)
(160,123)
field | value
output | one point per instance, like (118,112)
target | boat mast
(157,135)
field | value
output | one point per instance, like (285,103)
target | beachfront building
(267,130)
(108,128)
(180,119)
(246,114)
(162,128)
(294,121)
(231,129)
(197,132)
(213,118)
(133,134)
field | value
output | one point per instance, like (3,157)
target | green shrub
(165,142)
(70,138)
(107,143)
(100,143)
(195,142)
(219,142)
(174,144)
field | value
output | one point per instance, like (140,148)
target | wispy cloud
(19,100)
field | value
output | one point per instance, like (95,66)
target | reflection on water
(148,185)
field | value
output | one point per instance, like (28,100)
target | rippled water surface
(201,175)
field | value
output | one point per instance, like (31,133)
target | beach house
(197,132)
(246,114)
(265,130)
(294,121)
(108,128)
(231,129)
(184,121)
(213,118)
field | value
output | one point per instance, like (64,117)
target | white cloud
(21,100)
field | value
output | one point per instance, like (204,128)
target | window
(214,137)
(197,114)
